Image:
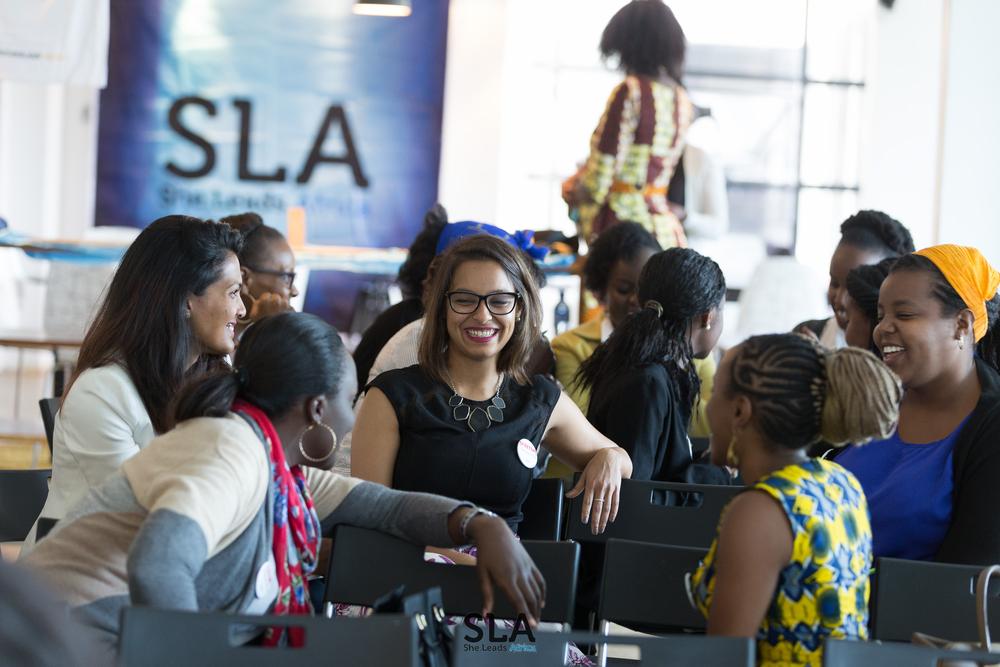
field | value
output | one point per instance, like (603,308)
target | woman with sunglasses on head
(224,513)
(932,485)
(170,313)
(467,420)
(267,265)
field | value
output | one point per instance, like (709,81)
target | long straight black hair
(686,285)
(141,323)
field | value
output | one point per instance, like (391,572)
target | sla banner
(215,107)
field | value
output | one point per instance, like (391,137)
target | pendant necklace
(475,417)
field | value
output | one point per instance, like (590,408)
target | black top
(974,534)
(385,326)
(438,454)
(641,410)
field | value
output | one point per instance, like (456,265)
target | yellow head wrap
(970,275)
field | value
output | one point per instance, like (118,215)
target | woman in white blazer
(170,313)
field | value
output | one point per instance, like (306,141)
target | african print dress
(633,153)
(823,591)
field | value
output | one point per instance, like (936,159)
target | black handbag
(427,609)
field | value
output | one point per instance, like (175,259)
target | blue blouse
(909,490)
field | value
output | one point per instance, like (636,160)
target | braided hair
(878,233)
(802,393)
(677,286)
(988,349)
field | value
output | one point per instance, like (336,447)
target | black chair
(660,512)
(934,598)
(22,495)
(154,637)
(543,511)
(366,564)
(48,408)
(841,653)
(643,586)
(549,649)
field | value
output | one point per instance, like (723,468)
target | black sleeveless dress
(440,455)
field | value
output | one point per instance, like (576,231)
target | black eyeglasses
(498,303)
(287,276)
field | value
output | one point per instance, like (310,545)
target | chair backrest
(48,407)
(366,564)
(684,515)
(934,598)
(543,511)
(843,653)
(22,495)
(154,637)
(643,586)
(549,649)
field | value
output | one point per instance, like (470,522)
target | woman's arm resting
(571,438)
(426,519)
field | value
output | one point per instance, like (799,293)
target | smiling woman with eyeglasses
(267,264)
(468,419)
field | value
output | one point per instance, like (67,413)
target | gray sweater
(187,524)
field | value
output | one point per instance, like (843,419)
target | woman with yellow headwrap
(934,486)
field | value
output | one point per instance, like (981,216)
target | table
(37,339)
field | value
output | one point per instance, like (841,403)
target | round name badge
(527,453)
(266,586)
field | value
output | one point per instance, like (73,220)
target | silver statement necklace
(477,418)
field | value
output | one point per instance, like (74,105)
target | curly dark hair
(257,237)
(877,232)
(864,283)
(422,251)
(622,242)
(647,40)
(686,284)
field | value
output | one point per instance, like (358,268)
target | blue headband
(454,231)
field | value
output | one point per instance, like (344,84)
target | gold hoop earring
(333,445)
(732,458)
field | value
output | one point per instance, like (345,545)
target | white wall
(473,95)
(970,207)
(932,146)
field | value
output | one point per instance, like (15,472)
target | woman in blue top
(934,485)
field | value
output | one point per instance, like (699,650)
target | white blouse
(101,423)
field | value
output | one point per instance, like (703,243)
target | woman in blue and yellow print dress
(791,561)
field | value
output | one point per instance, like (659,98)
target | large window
(784,80)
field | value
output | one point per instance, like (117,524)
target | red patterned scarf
(296,530)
